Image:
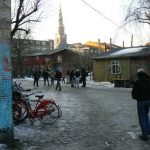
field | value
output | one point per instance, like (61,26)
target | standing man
(83,77)
(58,77)
(36,76)
(141,92)
(72,78)
(52,76)
(68,78)
(77,78)
(46,75)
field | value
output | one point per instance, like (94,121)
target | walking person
(58,77)
(77,78)
(72,78)
(141,92)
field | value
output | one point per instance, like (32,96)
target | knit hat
(141,72)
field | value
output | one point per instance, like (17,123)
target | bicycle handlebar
(27,95)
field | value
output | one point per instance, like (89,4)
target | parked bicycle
(45,110)
(19,104)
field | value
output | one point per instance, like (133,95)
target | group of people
(77,77)
(140,91)
(46,74)
(74,78)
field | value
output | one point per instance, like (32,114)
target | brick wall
(5,19)
(6,126)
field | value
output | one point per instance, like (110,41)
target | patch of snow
(131,135)
(89,82)
(108,143)
(102,84)
(2,146)
(127,51)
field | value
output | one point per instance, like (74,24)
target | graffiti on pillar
(5,86)
(5,62)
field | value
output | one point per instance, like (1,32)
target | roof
(147,44)
(92,44)
(46,52)
(100,45)
(125,52)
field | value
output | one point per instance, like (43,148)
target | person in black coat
(141,93)
(72,78)
(83,77)
(36,76)
(46,75)
(58,77)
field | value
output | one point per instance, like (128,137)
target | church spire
(61,38)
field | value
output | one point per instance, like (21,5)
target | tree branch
(24,14)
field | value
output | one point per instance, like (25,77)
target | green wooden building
(121,64)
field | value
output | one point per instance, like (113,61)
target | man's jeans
(144,118)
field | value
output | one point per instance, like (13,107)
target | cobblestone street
(94,118)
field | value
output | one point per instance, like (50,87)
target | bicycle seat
(39,96)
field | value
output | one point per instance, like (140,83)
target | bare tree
(20,45)
(24,12)
(138,11)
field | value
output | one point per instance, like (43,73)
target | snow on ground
(23,131)
(89,82)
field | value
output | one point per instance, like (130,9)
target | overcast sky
(82,23)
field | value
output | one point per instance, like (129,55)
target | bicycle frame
(40,105)
(46,110)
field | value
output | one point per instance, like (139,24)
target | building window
(38,42)
(59,58)
(115,67)
(43,43)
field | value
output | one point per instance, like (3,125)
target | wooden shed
(58,59)
(120,65)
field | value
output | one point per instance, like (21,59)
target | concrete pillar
(6,125)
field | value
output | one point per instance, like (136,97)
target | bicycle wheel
(48,114)
(16,113)
(22,109)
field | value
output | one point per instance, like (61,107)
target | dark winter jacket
(83,74)
(37,74)
(72,74)
(58,75)
(45,74)
(77,74)
(141,87)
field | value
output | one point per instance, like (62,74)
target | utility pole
(132,40)
(123,43)
(6,125)
(99,45)
(110,44)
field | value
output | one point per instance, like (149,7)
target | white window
(59,58)
(115,67)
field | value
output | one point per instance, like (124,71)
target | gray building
(31,46)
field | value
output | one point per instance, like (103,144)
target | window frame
(115,67)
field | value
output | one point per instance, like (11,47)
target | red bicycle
(45,110)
